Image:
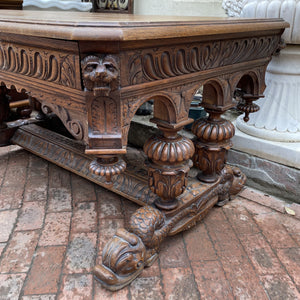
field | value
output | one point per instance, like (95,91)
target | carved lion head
(100,74)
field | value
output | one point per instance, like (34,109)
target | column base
(263,133)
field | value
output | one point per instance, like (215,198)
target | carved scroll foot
(129,252)
(123,260)
(232,181)
(107,166)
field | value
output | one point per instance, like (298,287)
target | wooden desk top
(115,27)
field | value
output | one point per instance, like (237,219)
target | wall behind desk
(205,8)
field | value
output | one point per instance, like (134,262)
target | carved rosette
(214,134)
(169,157)
(107,166)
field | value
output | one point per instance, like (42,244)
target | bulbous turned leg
(213,140)
(107,166)
(169,155)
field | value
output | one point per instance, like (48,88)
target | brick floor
(54,225)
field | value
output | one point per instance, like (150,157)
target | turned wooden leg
(213,140)
(169,155)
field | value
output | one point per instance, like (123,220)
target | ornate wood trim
(47,65)
(167,62)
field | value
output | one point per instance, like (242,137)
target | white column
(279,116)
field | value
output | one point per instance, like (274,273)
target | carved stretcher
(94,71)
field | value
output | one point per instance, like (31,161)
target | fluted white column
(279,115)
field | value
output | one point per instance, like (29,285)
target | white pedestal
(280,152)
(279,116)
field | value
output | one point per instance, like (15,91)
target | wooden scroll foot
(129,251)
(235,179)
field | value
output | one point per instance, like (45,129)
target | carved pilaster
(214,134)
(169,156)
(101,81)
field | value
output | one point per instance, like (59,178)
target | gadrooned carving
(37,63)
(211,131)
(159,148)
(108,167)
(100,74)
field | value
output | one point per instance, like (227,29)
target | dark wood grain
(94,71)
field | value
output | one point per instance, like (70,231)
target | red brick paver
(54,225)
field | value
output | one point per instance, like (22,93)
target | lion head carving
(100,74)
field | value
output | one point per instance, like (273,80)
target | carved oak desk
(94,71)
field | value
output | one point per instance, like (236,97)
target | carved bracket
(73,126)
